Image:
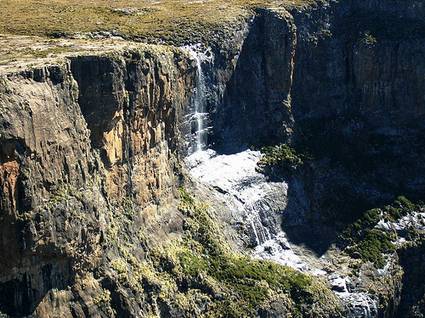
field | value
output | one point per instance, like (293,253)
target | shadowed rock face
(357,100)
(413,292)
(260,86)
(344,81)
(83,141)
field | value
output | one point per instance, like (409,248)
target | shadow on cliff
(353,170)
(302,224)
(255,99)
(19,297)
(413,286)
(255,113)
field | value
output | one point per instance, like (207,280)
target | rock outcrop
(78,140)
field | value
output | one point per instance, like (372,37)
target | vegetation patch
(282,157)
(174,21)
(248,283)
(198,274)
(369,243)
(368,39)
(372,247)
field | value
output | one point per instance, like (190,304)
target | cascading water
(256,203)
(248,191)
(199,116)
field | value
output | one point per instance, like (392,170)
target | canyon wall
(358,101)
(349,83)
(256,102)
(78,140)
(91,149)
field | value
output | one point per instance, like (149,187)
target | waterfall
(199,103)
(199,116)
(256,205)
(255,201)
(257,209)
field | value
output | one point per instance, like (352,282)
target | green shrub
(401,207)
(369,39)
(370,243)
(373,246)
(281,156)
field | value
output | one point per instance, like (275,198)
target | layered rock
(78,140)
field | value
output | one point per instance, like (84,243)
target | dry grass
(39,31)
(167,20)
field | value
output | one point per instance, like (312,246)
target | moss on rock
(199,274)
(370,243)
(282,157)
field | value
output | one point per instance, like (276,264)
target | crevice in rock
(20,296)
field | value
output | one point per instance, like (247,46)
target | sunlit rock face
(77,140)
(132,115)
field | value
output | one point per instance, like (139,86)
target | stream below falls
(257,204)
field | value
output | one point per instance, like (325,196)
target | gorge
(271,166)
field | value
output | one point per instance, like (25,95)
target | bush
(369,39)
(401,207)
(371,243)
(281,156)
(373,246)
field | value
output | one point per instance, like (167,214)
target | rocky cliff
(103,214)
(79,139)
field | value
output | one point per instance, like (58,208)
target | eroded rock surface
(78,140)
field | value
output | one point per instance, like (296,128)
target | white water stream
(199,117)
(255,201)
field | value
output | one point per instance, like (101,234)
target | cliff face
(133,105)
(348,81)
(358,101)
(259,86)
(79,139)
(47,147)
(92,154)
(413,297)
